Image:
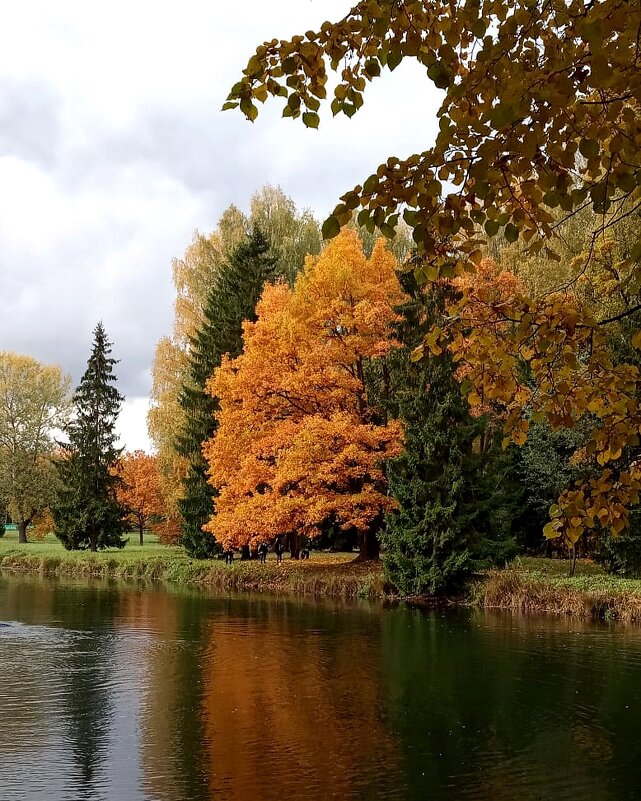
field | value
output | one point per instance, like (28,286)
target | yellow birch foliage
(298,446)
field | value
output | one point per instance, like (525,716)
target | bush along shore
(528,586)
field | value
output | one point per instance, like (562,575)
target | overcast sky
(113,150)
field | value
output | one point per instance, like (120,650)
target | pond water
(121,693)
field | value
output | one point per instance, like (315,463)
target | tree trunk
(245,553)
(572,560)
(294,546)
(93,538)
(369,548)
(141,532)
(22,531)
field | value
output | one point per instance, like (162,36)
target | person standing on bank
(262,552)
(279,549)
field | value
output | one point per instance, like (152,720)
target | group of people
(279,550)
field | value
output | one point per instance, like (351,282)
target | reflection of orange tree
(298,445)
(290,712)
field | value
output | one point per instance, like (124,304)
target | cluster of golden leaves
(297,445)
(530,86)
(548,360)
(540,120)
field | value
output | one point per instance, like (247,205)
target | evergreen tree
(87,513)
(442,529)
(231,300)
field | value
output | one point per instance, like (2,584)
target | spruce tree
(439,534)
(87,514)
(231,300)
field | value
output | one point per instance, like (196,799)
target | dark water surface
(126,694)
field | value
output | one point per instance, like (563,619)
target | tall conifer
(442,530)
(231,300)
(87,513)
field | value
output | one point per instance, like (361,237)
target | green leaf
(331,228)
(501,115)
(248,109)
(311,119)
(589,148)
(511,232)
(363,217)
(394,59)
(491,227)
(373,68)
(370,184)
(289,65)
(440,75)
(478,28)
(411,217)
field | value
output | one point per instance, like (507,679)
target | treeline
(297,399)
(318,393)
(60,468)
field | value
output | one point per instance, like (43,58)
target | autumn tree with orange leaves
(540,120)
(299,446)
(139,490)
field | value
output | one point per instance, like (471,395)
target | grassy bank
(530,586)
(331,575)
(538,586)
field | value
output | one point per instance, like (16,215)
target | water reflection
(114,692)
(293,704)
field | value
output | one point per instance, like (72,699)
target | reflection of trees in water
(25,689)
(500,710)
(86,670)
(247,699)
(172,733)
(292,705)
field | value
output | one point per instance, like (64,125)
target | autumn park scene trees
(320,400)
(444,373)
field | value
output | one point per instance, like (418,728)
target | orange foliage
(298,446)
(41,525)
(139,490)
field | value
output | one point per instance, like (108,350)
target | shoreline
(599,597)
(528,587)
(332,578)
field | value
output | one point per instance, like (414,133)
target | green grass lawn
(51,546)
(588,576)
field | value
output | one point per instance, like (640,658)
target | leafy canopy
(298,446)
(539,121)
(34,401)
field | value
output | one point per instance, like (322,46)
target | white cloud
(131,427)
(113,150)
